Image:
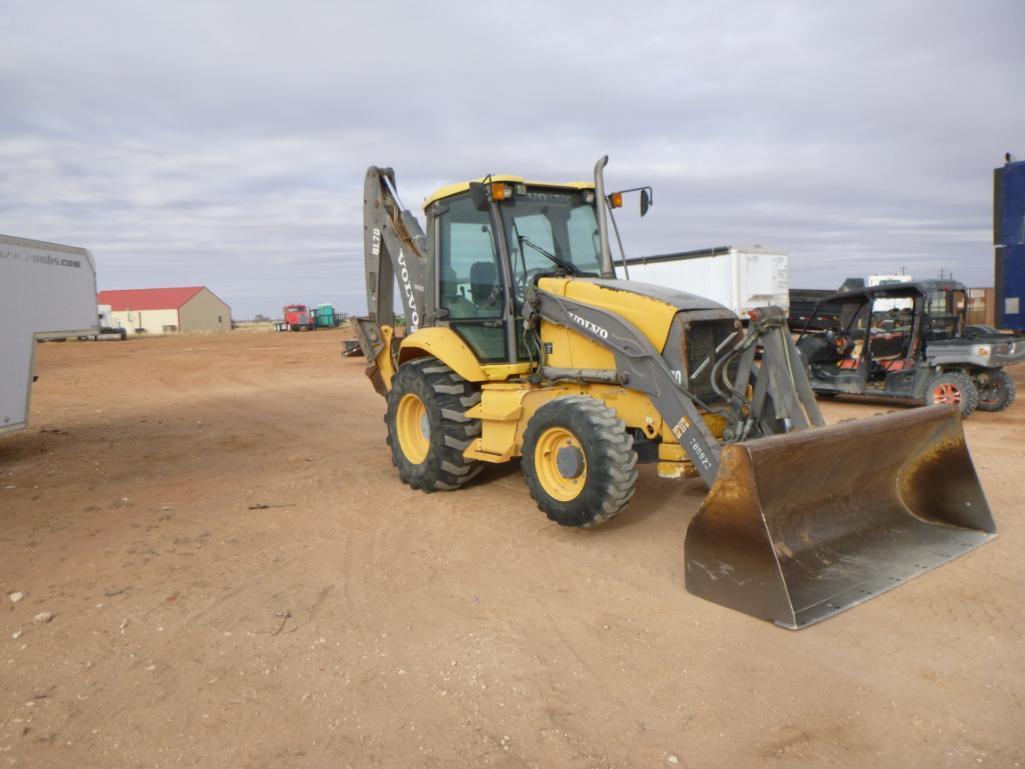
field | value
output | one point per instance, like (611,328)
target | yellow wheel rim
(562,480)
(413,428)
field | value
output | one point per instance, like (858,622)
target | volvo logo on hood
(594,328)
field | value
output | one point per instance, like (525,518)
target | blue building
(1009,242)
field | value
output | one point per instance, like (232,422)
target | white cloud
(226,143)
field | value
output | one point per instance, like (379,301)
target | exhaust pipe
(607,270)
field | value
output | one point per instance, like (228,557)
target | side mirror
(479,195)
(646,200)
(615,200)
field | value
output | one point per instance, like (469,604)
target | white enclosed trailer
(47,291)
(738,277)
(882,305)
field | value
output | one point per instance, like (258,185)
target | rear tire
(427,429)
(953,387)
(578,461)
(1000,393)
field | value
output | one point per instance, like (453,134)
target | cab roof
(454,189)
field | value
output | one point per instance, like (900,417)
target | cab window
(470,283)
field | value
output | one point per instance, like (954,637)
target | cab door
(471,286)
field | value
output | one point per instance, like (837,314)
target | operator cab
(494,237)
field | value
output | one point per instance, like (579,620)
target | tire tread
(447,396)
(1010,393)
(612,463)
(963,382)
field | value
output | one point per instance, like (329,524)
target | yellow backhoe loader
(521,342)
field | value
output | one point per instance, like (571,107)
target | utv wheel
(999,393)
(427,429)
(578,461)
(955,388)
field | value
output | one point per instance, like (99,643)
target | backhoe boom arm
(394,245)
(394,249)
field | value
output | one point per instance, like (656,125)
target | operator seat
(458,306)
(483,284)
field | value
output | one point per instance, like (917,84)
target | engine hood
(679,300)
(650,309)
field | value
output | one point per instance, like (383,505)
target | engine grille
(700,343)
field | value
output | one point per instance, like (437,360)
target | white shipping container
(738,277)
(47,291)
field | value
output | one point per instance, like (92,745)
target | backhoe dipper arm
(394,247)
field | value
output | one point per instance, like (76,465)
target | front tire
(578,461)
(427,429)
(1000,392)
(955,388)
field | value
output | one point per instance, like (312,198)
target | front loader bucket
(801,526)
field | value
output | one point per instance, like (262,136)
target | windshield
(944,310)
(553,221)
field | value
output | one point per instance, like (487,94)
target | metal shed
(166,310)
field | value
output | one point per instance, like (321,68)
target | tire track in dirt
(445,629)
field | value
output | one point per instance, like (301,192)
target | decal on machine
(594,328)
(694,446)
(407,288)
(681,427)
(699,452)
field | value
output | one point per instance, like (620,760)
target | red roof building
(166,310)
(147,298)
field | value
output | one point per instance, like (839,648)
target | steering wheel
(524,279)
(841,343)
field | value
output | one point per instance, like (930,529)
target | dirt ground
(238,579)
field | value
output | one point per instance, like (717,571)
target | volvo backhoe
(521,342)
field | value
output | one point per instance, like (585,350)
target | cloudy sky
(224,143)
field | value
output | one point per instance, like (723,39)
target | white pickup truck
(47,291)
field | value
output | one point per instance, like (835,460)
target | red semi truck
(299,318)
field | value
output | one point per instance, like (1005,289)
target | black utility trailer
(808,311)
(910,341)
